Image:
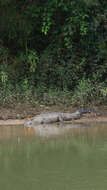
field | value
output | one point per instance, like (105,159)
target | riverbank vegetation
(53,52)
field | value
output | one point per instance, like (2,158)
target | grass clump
(88,91)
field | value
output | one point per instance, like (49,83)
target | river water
(76,160)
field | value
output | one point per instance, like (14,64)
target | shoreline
(19,114)
(84,120)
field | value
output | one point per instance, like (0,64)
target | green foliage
(55,97)
(33,60)
(3,77)
(3,66)
(46,22)
(86,92)
(49,45)
(83,92)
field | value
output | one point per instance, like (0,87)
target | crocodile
(52,117)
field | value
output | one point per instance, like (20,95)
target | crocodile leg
(60,118)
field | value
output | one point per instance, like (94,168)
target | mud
(18,115)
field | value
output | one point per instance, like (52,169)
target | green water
(74,161)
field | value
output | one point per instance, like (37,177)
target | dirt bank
(82,120)
(18,115)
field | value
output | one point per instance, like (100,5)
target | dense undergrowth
(85,93)
(53,52)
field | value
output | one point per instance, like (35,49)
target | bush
(53,45)
(89,92)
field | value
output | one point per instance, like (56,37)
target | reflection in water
(74,160)
(49,130)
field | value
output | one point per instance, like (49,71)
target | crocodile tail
(82,111)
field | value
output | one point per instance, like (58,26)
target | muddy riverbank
(18,115)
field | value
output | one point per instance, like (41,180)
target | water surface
(76,160)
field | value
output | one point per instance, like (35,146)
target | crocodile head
(28,123)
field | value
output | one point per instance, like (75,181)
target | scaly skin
(52,117)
